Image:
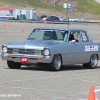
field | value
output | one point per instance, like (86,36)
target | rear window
(84,37)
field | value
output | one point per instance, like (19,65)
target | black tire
(92,64)
(13,65)
(56,63)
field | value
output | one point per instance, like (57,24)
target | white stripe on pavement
(97,90)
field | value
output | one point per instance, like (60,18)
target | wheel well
(96,55)
(60,56)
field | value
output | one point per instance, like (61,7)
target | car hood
(32,44)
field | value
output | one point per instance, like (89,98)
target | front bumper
(32,58)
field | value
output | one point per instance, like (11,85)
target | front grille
(9,50)
(24,51)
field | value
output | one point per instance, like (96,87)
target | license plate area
(24,59)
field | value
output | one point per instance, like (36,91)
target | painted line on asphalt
(97,90)
(9,81)
(87,81)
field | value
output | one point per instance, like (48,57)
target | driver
(47,35)
(71,37)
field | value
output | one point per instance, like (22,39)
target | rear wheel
(56,63)
(13,65)
(92,63)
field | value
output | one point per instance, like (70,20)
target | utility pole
(67,6)
(54,2)
(67,16)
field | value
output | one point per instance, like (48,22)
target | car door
(76,48)
(88,46)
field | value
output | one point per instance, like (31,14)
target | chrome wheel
(57,62)
(93,61)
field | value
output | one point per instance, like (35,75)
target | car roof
(57,28)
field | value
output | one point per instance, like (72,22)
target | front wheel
(92,63)
(56,63)
(13,65)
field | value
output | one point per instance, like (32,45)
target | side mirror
(72,41)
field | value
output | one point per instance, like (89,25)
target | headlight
(4,49)
(46,52)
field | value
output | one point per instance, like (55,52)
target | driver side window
(74,36)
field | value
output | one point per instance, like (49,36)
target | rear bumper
(32,58)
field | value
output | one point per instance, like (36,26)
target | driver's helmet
(47,35)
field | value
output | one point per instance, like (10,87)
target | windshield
(48,34)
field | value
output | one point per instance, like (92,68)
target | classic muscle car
(53,47)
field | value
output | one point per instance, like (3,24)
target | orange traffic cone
(86,24)
(4,25)
(6,31)
(22,30)
(91,95)
(45,21)
(8,25)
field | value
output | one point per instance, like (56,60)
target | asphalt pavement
(72,82)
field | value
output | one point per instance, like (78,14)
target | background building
(18,14)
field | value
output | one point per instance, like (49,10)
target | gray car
(53,47)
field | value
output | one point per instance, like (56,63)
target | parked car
(9,17)
(42,17)
(52,18)
(73,19)
(53,47)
